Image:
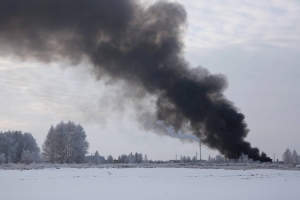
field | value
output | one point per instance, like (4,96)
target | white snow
(149,183)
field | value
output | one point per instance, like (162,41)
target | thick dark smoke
(128,41)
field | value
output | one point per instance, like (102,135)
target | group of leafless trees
(16,147)
(289,157)
(187,159)
(130,158)
(65,143)
(217,159)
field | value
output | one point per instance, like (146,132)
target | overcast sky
(256,44)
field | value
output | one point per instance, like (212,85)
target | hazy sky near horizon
(254,44)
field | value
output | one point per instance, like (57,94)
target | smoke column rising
(126,40)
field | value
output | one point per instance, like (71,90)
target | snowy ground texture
(148,183)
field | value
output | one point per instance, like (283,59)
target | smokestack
(125,40)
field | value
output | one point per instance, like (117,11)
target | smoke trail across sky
(142,45)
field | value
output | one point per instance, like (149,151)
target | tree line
(130,158)
(67,143)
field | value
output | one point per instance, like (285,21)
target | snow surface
(148,183)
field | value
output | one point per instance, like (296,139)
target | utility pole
(196,155)
(274,157)
(200,150)
(176,157)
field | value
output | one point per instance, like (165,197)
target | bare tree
(49,150)
(131,158)
(145,158)
(97,159)
(65,143)
(110,159)
(188,159)
(2,158)
(287,157)
(194,159)
(295,158)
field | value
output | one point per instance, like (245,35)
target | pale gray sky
(255,44)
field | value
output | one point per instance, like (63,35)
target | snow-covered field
(149,183)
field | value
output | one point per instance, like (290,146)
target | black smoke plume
(140,44)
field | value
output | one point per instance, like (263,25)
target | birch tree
(287,157)
(295,158)
(110,159)
(145,158)
(2,158)
(97,159)
(49,151)
(65,143)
